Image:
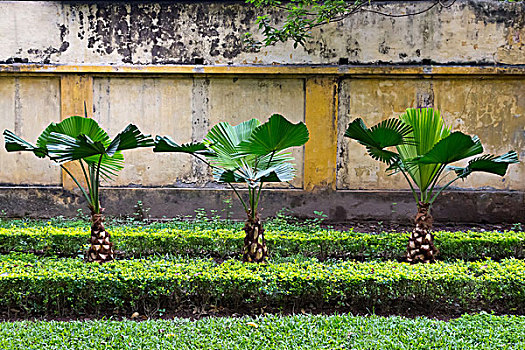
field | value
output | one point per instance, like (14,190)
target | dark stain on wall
(160,28)
(209,32)
(490,11)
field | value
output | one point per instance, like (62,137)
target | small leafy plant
(81,139)
(425,149)
(250,153)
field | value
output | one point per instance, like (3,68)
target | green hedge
(143,241)
(70,286)
(479,332)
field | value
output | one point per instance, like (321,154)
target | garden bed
(138,241)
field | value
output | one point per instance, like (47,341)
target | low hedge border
(69,286)
(322,244)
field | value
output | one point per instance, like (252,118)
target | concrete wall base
(340,206)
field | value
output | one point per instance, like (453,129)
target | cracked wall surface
(492,108)
(186,105)
(468,32)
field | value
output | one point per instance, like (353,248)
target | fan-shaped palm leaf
(74,126)
(14,143)
(130,138)
(278,172)
(273,136)
(250,153)
(166,144)
(452,148)
(428,128)
(64,148)
(224,140)
(388,133)
(487,163)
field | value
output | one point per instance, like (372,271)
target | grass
(481,331)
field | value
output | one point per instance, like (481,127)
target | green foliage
(68,286)
(388,133)
(480,332)
(250,153)
(140,241)
(426,147)
(302,16)
(487,163)
(82,139)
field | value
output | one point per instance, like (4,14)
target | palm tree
(425,148)
(251,153)
(82,139)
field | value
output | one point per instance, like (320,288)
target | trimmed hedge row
(69,286)
(479,332)
(139,242)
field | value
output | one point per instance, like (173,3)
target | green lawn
(273,332)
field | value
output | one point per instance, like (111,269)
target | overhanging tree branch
(304,15)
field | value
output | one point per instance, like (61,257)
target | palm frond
(64,148)
(428,128)
(487,163)
(166,144)
(130,138)
(388,133)
(74,126)
(14,143)
(275,135)
(452,148)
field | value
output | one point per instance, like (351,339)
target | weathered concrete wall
(119,58)
(339,206)
(470,31)
(492,108)
(27,106)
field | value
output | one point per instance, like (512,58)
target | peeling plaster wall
(493,109)
(470,31)
(185,105)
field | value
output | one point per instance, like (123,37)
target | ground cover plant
(49,286)
(250,153)
(425,149)
(161,239)
(481,332)
(81,139)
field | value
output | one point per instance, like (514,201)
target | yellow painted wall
(235,100)
(156,106)
(186,105)
(27,106)
(492,108)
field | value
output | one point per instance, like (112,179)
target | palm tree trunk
(420,246)
(255,249)
(101,249)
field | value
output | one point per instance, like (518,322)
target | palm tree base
(101,249)
(420,246)
(254,249)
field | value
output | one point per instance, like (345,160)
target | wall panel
(27,106)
